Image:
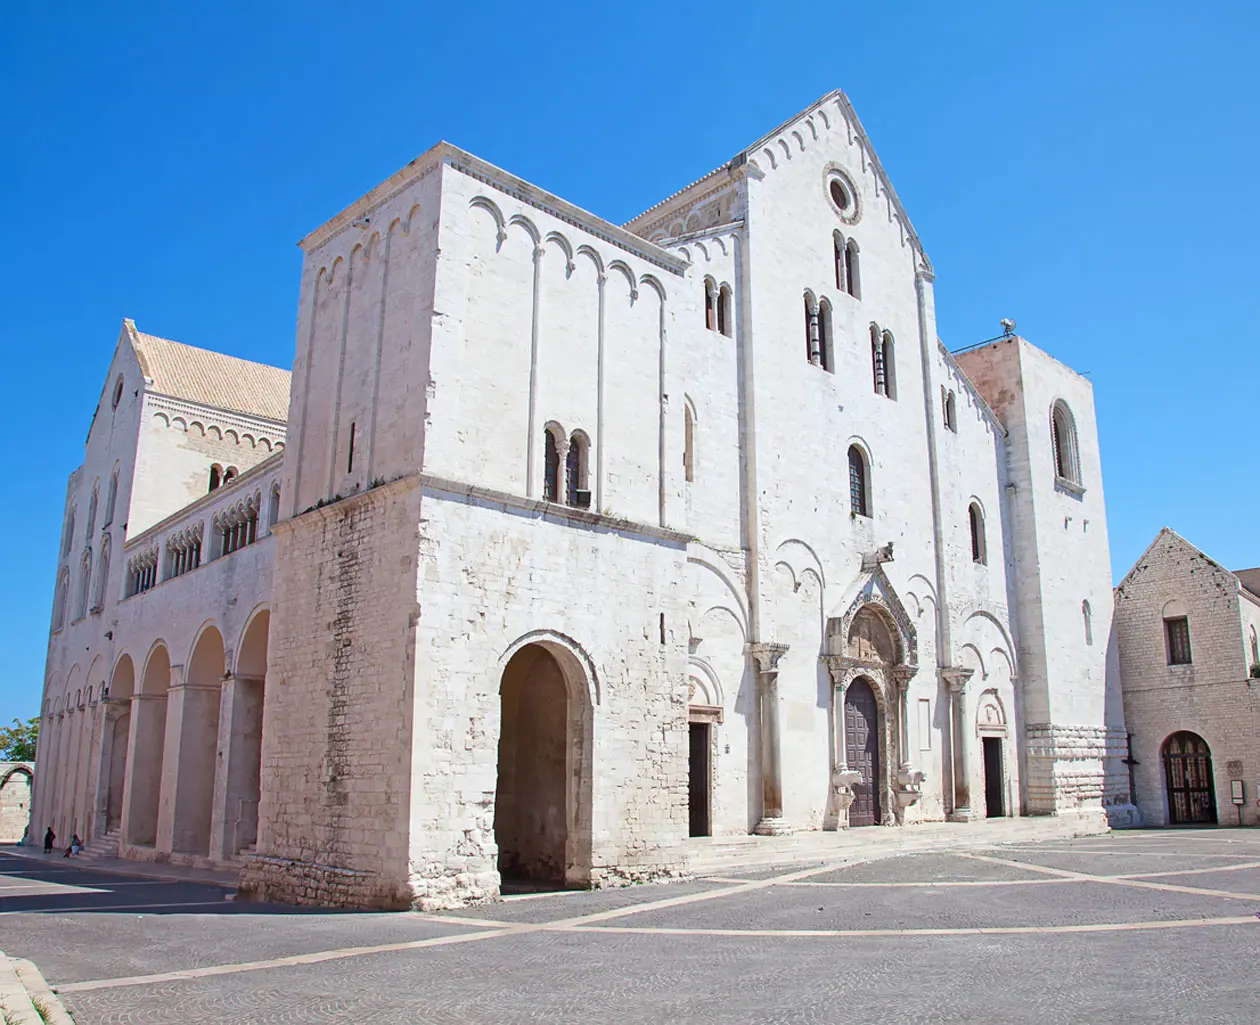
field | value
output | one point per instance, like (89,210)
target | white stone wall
(1074,729)
(1212,696)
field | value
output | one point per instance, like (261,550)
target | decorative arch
(568,652)
(990,715)
(705,688)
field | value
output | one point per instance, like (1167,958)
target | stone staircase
(710,856)
(103,846)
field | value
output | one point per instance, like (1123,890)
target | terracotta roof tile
(212,378)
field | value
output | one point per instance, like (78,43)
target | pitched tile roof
(212,378)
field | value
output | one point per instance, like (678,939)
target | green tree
(17,742)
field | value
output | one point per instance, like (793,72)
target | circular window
(118,391)
(843,195)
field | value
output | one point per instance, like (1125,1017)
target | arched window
(1255,649)
(951,410)
(111,499)
(824,336)
(577,493)
(859,483)
(976,519)
(1177,633)
(67,539)
(883,365)
(273,510)
(118,390)
(724,310)
(102,576)
(811,329)
(710,304)
(216,477)
(1067,464)
(852,284)
(1088,615)
(85,585)
(689,443)
(91,517)
(841,278)
(60,598)
(230,474)
(551,466)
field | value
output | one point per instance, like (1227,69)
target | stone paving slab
(567,979)
(1059,950)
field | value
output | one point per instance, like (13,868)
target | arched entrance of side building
(542,809)
(117,738)
(195,710)
(991,729)
(235,825)
(147,750)
(1190,787)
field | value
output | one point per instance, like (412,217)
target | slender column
(143,775)
(600,280)
(957,681)
(767,658)
(843,670)
(531,481)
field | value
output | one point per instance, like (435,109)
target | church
(565,541)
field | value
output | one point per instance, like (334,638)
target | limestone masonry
(567,540)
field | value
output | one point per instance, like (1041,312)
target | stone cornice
(446,488)
(503,181)
(162,403)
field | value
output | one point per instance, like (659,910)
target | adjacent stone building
(569,539)
(1185,646)
(15,799)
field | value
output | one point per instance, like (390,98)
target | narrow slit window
(350,456)
(859,495)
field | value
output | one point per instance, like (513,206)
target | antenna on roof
(1008,327)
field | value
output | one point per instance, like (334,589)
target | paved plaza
(1130,927)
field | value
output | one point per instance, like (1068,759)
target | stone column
(766,657)
(236,770)
(956,679)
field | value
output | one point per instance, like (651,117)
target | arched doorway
(242,708)
(148,741)
(542,800)
(1188,777)
(861,740)
(15,804)
(117,736)
(198,717)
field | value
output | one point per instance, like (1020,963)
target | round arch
(1189,784)
(543,793)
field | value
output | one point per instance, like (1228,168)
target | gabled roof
(762,156)
(1248,580)
(211,378)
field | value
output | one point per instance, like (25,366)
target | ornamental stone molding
(767,656)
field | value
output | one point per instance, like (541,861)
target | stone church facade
(568,539)
(1186,648)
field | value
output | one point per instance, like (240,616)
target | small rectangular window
(1178,634)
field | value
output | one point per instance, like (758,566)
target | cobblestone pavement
(1131,927)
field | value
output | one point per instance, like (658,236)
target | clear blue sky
(1088,169)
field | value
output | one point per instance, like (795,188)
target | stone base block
(293,881)
(773,827)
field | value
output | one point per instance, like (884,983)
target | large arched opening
(542,811)
(198,745)
(1188,778)
(148,740)
(242,709)
(117,737)
(15,803)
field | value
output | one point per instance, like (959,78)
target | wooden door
(698,780)
(1188,771)
(861,741)
(994,778)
